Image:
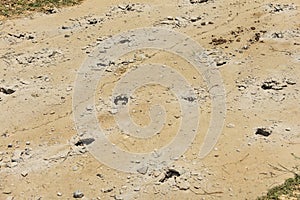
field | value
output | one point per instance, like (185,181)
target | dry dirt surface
(254,45)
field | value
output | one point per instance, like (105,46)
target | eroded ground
(255,46)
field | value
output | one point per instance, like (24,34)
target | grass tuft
(290,189)
(9,8)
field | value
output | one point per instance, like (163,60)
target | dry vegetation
(10,8)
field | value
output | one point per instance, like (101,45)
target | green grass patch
(9,8)
(290,189)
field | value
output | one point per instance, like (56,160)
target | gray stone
(77,194)
(143,170)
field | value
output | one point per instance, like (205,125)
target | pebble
(89,108)
(230,125)
(183,185)
(143,170)
(245,47)
(204,23)
(69,89)
(118,197)
(77,194)
(75,168)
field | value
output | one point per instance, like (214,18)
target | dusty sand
(41,54)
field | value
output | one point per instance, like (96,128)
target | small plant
(290,189)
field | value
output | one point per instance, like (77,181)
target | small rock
(75,168)
(230,125)
(288,129)
(197,1)
(77,194)
(184,185)
(107,190)
(7,91)
(113,111)
(11,164)
(69,89)
(118,197)
(27,143)
(6,192)
(194,19)
(59,194)
(89,108)
(263,131)
(245,47)
(51,10)
(143,170)
(277,35)
(221,62)
(290,82)
(204,23)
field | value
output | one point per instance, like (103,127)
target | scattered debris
(218,41)
(272,84)
(169,174)
(275,8)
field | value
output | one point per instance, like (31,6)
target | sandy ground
(257,47)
